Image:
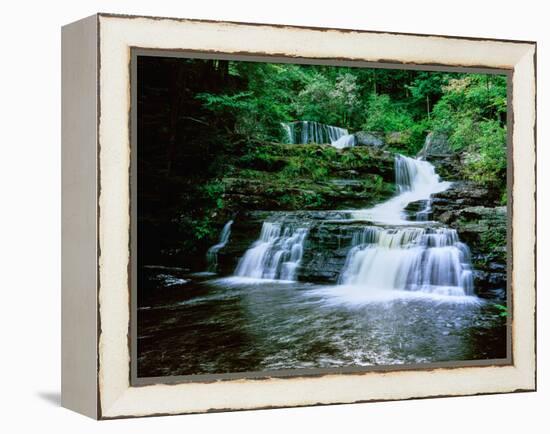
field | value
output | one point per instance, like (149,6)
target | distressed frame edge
(316,28)
(79,273)
(135,381)
(113,412)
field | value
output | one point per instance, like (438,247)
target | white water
(356,296)
(400,257)
(414,259)
(415,180)
(303,132)
(394,257)
(212,253)
(346,141)
(275,255)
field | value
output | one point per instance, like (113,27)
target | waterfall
(289,132)
(276,254)
(400,257)
(414,259)
(389,252)
(212,253)
(415,180)
(303,132)
(346,141)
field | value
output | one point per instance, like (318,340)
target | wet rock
(325,248)
(490,285)
(484,230)
(462,194)
(436,145)
(419,205)
(418,211)
(397,137)
(369,138)
(449,167)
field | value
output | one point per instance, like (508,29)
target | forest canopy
(469,108)
(206,125)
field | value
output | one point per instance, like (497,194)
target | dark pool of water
(213,326)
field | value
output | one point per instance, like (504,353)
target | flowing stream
(415,181)
(403,294)
(396,254)
(401,257)
(275,255)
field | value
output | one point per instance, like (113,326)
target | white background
(30,217)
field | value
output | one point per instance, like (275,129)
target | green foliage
(248,102)
(376,186)
(493,244)
(418,133)
(302,200)
(426,89)
(214,193)
(298,167)
(258,110)
(195,233)
(486,159)
(382,114)
(196,226)
(502,310)
(387,116)
(504,198)
(261,160)
(469,108)
(202,228)
(472,113)
(333,102)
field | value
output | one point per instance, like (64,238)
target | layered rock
(369,138)
(326,249)
(378,139)
(436,145)
(326,246)
(350,178)
(462,194)
(473,210)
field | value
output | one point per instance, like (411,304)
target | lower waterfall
(276,254)
(415,259)
(401,257)
(389,252)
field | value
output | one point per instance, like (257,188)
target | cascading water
(415,259)
(212,253)
(276,254)
(346,141)
(399,257)
(303,132)
(390,253)
(415,181)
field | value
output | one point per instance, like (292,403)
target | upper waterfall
(303,132)
(415,180)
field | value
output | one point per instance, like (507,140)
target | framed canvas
(262,216)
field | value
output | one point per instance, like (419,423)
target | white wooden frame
(96,215)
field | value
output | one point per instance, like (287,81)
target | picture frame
(98,237)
